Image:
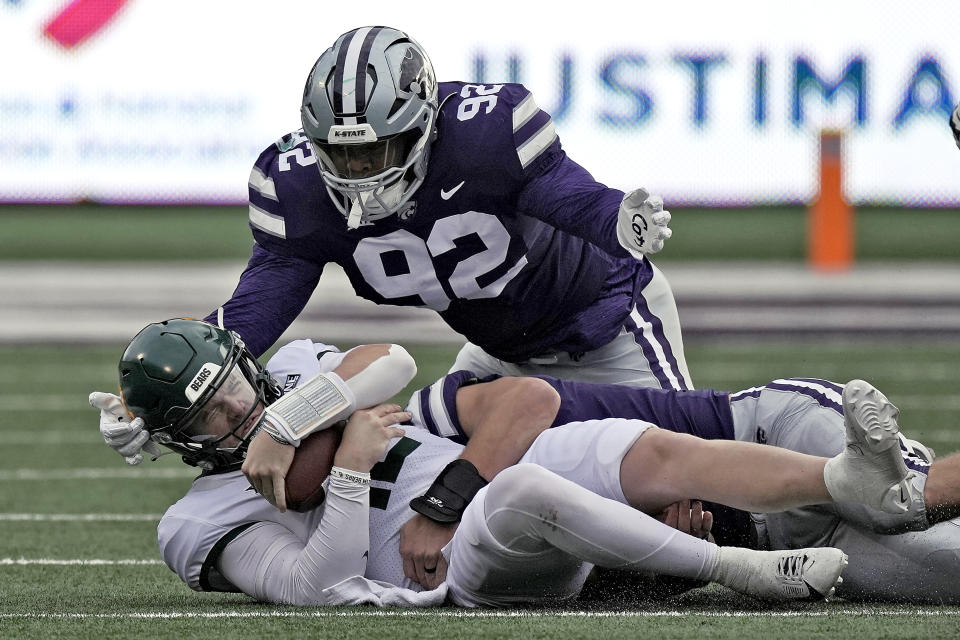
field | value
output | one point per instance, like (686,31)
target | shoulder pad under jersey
(287,196)
(495,124)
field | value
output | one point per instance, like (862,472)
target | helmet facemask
(372,149)
(398,166)
(197,388)
(217,429)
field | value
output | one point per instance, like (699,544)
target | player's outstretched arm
(563,194)
(367,375)
(271,293)
(502,419)
(272,564)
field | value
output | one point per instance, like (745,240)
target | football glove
(642,224)
(125,436)
(955,124)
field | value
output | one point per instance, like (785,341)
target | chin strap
(356,213)
(358,206)
(379,197)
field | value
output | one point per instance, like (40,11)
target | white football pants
(648,352)
(531,535)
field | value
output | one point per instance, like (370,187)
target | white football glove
(125,436)
(642,225)
(955,124)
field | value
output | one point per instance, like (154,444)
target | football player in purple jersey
(457,197)
(913,555)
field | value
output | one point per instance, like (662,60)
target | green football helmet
(169,373)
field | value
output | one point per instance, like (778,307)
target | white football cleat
(871,469)
(795,574)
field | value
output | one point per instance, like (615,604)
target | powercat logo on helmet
(201,381)
(351,134)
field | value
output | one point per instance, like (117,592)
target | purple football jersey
(704,413)
(509,240)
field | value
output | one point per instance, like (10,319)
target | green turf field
(91,232)
(78,557)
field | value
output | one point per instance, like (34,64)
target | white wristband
(356,477)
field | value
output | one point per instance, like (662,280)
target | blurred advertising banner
(142,101)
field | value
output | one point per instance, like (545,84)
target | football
(311,466)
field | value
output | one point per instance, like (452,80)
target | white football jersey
(219,507)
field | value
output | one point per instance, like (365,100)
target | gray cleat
(871,469)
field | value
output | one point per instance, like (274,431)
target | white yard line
(79,562)
(51,436)
(46,402)
(460,613)
(96,473)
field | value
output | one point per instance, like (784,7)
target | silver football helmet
(369,110)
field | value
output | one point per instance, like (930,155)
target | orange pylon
(830,225)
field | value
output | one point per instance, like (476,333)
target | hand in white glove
(955,124)
(127,437)
(642,225)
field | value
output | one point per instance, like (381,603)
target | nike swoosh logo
(811,590)
(446,195)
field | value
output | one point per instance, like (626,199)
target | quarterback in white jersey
(528,535)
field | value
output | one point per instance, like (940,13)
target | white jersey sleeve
(300,360)
(216,509)
(270,563)
(297,362)
(223,537)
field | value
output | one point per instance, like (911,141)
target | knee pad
(522,487)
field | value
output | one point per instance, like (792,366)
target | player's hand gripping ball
(310,468)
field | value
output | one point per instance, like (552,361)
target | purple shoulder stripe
(435,407)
